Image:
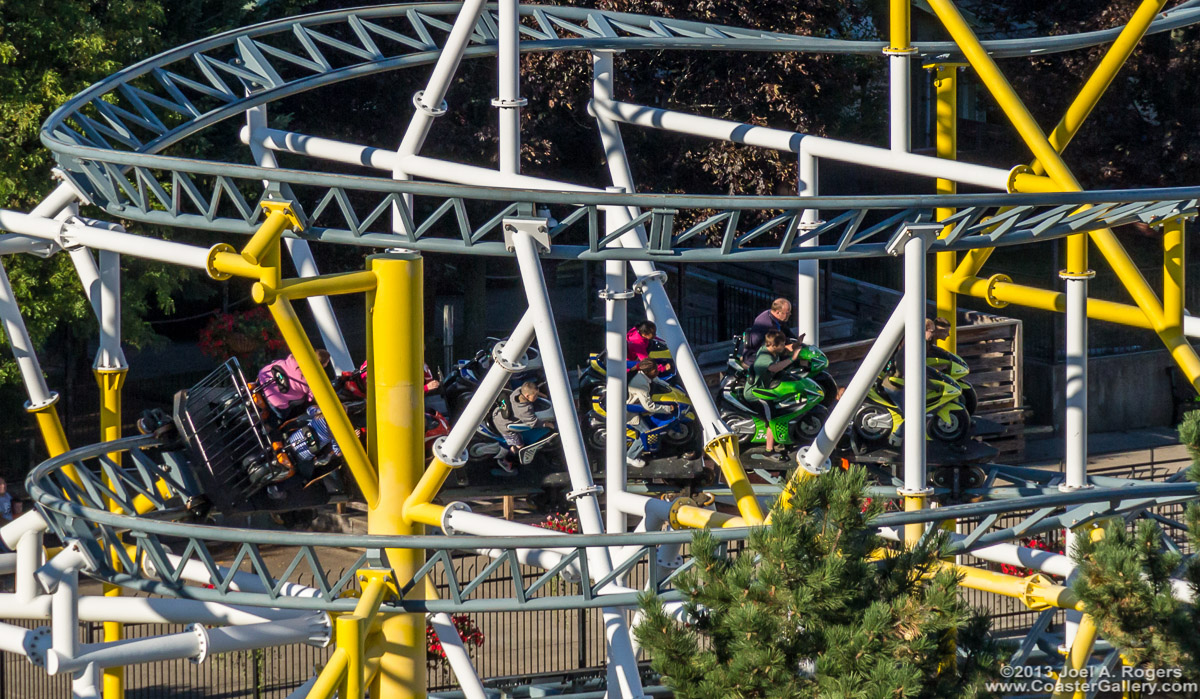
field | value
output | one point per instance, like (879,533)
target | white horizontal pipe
(1008,554)
(778,139)
(414,165)
(185,644)
(100,239)
(434,169)
(14,639)
(12,244)
(12,532)
(148,610)
(466,522)
(323,148)
(196,644)
(159,610)
(313,629)
(456,654)
(655,512)
(1191,326)
(195,571)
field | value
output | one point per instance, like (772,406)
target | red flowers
(251,336)
(470,633)
(560,522)
(1034,543)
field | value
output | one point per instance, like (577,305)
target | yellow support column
(1089,95)
(913,532)
(946,84)
(1174,271)
(51,427)
(395,321)
(1145,298)
(111,381)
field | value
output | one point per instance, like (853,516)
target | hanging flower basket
(251,336)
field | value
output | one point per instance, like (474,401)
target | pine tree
(1125,581)
(809,609)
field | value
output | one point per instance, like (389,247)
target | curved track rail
(75,511)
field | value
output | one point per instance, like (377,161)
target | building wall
(1125,392)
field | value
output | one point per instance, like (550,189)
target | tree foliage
(811,93)
(807,610)
(1125,579)
(49,52)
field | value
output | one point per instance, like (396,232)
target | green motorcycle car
(797,412)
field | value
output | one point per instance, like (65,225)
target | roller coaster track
(109,142)
(75,511)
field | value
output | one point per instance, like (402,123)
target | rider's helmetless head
(936,329)
(781,309)
(775,342)
(529,390)
(647,329)
(648,368)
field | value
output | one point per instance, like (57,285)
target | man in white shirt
(640,393)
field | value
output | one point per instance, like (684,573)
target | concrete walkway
(1151,446)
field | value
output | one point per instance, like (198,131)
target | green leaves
(1125,579)
(806,610)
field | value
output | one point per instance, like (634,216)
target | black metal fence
(735,309)
(521,644)
(515,644)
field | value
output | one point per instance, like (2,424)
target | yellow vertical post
(1174,271)
(913,532)
(395,316)
(899,27)
(350,638)
(110,382)
(945,82)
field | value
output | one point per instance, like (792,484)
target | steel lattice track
(108,141)
(77,512)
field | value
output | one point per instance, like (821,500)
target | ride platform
(937,454)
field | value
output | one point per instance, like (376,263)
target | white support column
(900,91)
(615,295)
(110,355)
(301,253)
(509,100)
(430,103)
(649,280)
(89,275)
(856,391)
(29,559)
(1075,432)
(450,448)
(914,364)
(1076,380)
(22,347)
(808,277)
(620,649)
